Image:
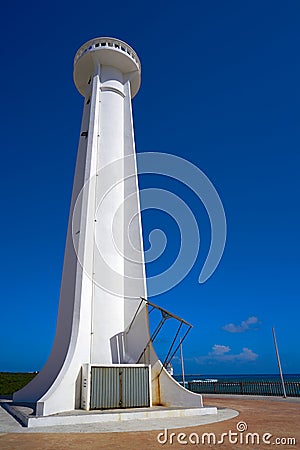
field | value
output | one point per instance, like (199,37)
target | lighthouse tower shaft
(113,263)
(101,319)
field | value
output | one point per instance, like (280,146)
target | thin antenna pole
(278,361)
(182,364)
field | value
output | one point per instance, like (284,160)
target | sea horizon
(239,377)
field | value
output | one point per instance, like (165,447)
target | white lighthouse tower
(102,323)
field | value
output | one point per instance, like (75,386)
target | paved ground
(9,424)
(280,418)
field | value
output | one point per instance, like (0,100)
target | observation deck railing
(107,43)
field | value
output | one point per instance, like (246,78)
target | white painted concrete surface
(103,275)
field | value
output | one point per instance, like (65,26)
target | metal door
(119,387)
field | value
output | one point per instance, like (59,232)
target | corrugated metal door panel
(119,387)
(105,389)
(135,387)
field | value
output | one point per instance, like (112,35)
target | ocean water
(240,378)
(262,384)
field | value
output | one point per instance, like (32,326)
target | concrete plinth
(25,415)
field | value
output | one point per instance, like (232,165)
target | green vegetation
(11,382)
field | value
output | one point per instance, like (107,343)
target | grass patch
(11,382)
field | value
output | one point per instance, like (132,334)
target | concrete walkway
(253,397)
(10,425)
(279,419)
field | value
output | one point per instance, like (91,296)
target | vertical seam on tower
(95,205)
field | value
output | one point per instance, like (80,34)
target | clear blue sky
(220,87)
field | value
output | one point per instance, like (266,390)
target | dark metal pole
(182,364)
(172,345)
(175,351)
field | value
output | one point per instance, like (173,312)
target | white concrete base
(81,417)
